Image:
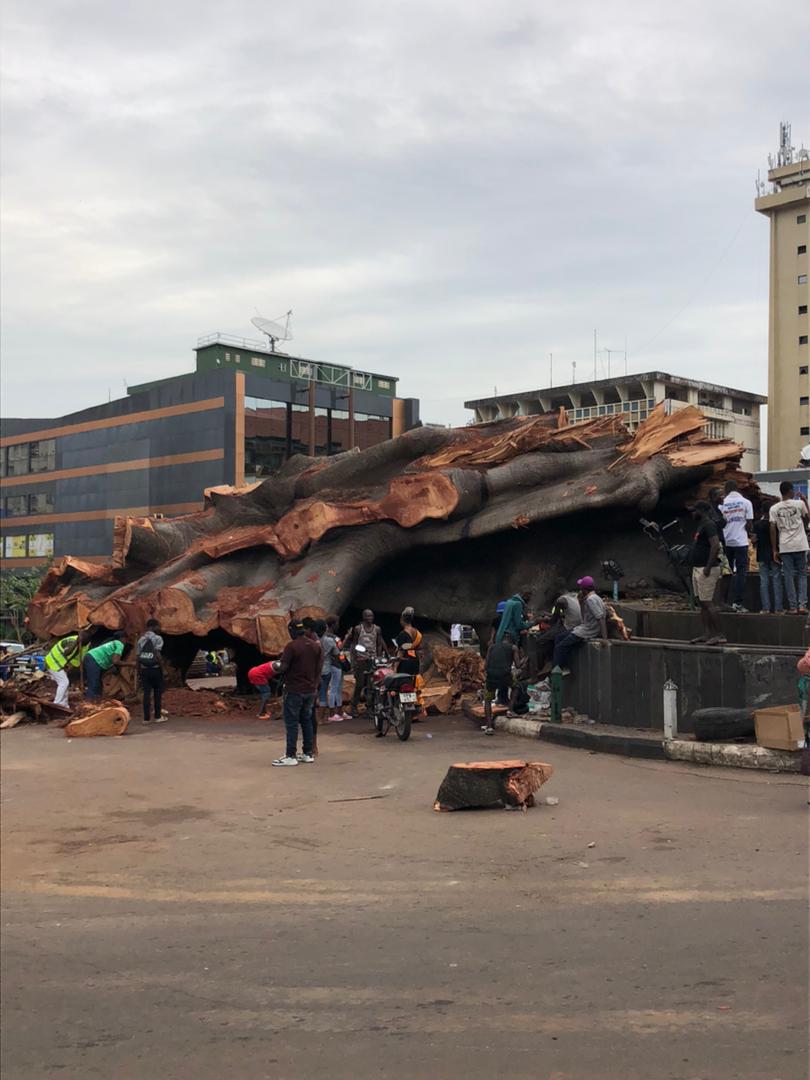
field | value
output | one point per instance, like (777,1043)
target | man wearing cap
(593,625)
(300,666)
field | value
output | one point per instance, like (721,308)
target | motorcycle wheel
(380,724)
(402,723)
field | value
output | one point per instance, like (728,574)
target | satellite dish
(276,330)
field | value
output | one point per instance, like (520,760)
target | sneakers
(565,671)
(489,731)
(739,609)
(264,716)
(304,759)
(336,718)
(286,761)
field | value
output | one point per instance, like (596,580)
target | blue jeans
(92,679)
(335,699)
(794,564)
(564,646)
(298,710)
(773,573)
(265,693)
(738,561)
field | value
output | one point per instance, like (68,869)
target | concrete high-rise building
(785,199)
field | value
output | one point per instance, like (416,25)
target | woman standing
(408,642)
(330,693)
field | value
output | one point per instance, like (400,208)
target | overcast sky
(444,192)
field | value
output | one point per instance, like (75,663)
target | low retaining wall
(621,682)
(779,631)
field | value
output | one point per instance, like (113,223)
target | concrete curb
(566,735)
(740,756)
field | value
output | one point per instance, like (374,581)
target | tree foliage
(17,589)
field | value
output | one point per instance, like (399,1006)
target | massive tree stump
(491,784)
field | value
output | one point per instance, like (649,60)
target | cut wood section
(659,429)
(109,720)
(484,785)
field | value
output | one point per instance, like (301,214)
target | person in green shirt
(96,662)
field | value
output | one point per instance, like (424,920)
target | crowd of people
(725,528)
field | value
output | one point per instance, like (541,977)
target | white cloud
(448,192)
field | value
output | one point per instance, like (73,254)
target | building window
(40,545)
(804,431)
(237,357)
(18,459)
(802,279)
(282,368)
(801,249)
(384,384)
(803,369)
(801,218)
(41,503)
(804,400)
(15,547)
(802,339)
(258,361)
(2,461)
(802,309)
(358,379)
(16,505)
(227,356)
(43,455)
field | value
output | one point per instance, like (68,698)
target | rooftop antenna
(274,329)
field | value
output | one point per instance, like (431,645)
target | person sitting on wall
(593,625)
(706,553)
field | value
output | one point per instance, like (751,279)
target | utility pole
(551,369)
(594,355)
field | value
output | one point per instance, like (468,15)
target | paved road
(176,908)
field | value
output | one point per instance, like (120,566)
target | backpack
(148,653)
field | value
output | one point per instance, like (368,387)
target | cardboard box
(779,727)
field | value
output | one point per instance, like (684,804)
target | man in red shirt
(300,665)
(260,677)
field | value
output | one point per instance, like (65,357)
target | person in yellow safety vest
(67,652)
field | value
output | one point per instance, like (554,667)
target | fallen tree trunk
(447,520)
(491,784)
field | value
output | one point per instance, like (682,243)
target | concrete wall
(622,682)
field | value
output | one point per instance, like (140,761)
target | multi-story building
(234,420)
(732,414)
(785,199)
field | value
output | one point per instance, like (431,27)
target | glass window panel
(265,437)
(18,459)
(40,545)
(43,455)
(16,505)
(40,503)
(15,547)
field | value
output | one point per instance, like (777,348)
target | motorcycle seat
(393,681)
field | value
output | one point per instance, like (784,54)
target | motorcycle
(391,698)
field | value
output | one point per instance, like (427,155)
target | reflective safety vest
(65,652)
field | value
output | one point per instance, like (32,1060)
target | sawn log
(491,784)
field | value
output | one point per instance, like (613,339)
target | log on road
(491,784)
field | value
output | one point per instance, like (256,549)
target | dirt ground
(176,908)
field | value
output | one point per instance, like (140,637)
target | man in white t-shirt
(789,543)
(455,634)
(739,515)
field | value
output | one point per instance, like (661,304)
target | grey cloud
(448,192)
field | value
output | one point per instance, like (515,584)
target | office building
(233,421)
(732,414)
(785,200)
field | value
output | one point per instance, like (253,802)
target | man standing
(148,652)
(770,572)
(593,625)
(739,515)
(706,572)
(300,665)
(96,662)
(789,542)
(515,618)
(455,635)
(369,635)
(67,652)
(501,656)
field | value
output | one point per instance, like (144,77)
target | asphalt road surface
(174,907)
